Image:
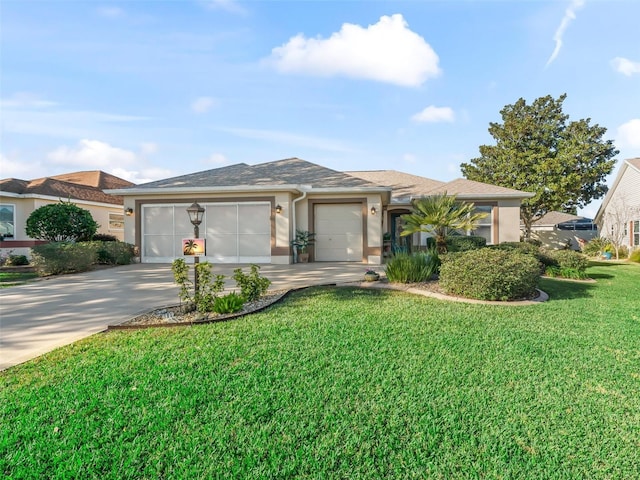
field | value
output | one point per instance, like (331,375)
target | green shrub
(412,268)
(623,251)
(61,222)
(490,274)
(596,246)
(104,237)
(565,273)
(464,243)
(635,256)
(251,285)
(569,259)
(17,260)
(230,303)
(62,257)
(113,253)
(530,248)
(208,285)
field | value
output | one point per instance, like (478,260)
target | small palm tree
(189,247)
(438,214)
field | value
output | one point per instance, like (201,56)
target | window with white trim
(636,233)
(484,228)
(116,221)
(7,220)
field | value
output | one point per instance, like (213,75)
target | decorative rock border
(542,297)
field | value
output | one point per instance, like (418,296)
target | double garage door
(339,236)
(234,232)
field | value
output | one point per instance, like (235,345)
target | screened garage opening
(234,232)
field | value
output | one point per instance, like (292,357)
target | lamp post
(196,212)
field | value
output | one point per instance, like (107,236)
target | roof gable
(470,188)
(634,164)
(79,186)
(404,185)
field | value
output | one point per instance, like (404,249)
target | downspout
(293,219)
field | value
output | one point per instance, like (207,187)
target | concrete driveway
(38,317)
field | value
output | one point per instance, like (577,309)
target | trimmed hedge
(635,256)
(464,243)
(66,257)
(62,257)
(490,274)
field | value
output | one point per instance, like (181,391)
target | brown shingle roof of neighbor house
(634,162)
(404,185)
(290,171)
(554,218)
(71,189)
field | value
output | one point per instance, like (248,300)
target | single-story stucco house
(19,198)
(252,211)
(619,215)
(559,230)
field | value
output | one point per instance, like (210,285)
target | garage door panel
(339,234)
(158,246)
(255,245)
(221,219)
(157,220)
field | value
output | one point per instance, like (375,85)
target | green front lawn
(8,279)
(345,383)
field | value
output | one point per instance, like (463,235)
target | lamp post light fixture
(196,212)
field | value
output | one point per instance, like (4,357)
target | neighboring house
(559,230)
(19,198)
(252,212)
(618,217)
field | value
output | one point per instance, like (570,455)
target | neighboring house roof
(406,186)
(633,163)
(554,218)
(290,173)
(68,186)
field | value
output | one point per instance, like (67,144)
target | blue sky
(152,89)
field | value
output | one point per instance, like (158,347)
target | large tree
(564,164)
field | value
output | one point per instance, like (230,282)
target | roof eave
(208,189)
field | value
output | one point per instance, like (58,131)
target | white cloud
(629,134)
(434,114)
(387,51)
(148,148)
(203,104)
(92,154)
(569,16)
(217,159)
(625,66)
(97,155)
(25,100)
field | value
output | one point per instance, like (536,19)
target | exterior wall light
(278,209)
(373,210)
(128,211)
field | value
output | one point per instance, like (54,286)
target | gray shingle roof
(290,171)
(404,185)
(553,218)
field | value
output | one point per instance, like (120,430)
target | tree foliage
(439,214)
(61,222)
(564,164)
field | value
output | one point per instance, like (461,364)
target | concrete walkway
(40,316)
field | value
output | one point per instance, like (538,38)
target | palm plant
(438,214)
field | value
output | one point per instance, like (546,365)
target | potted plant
(371,276)
(301,243)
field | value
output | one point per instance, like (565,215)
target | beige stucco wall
(25,206)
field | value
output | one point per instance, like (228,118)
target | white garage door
(338,233)
(234,232)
